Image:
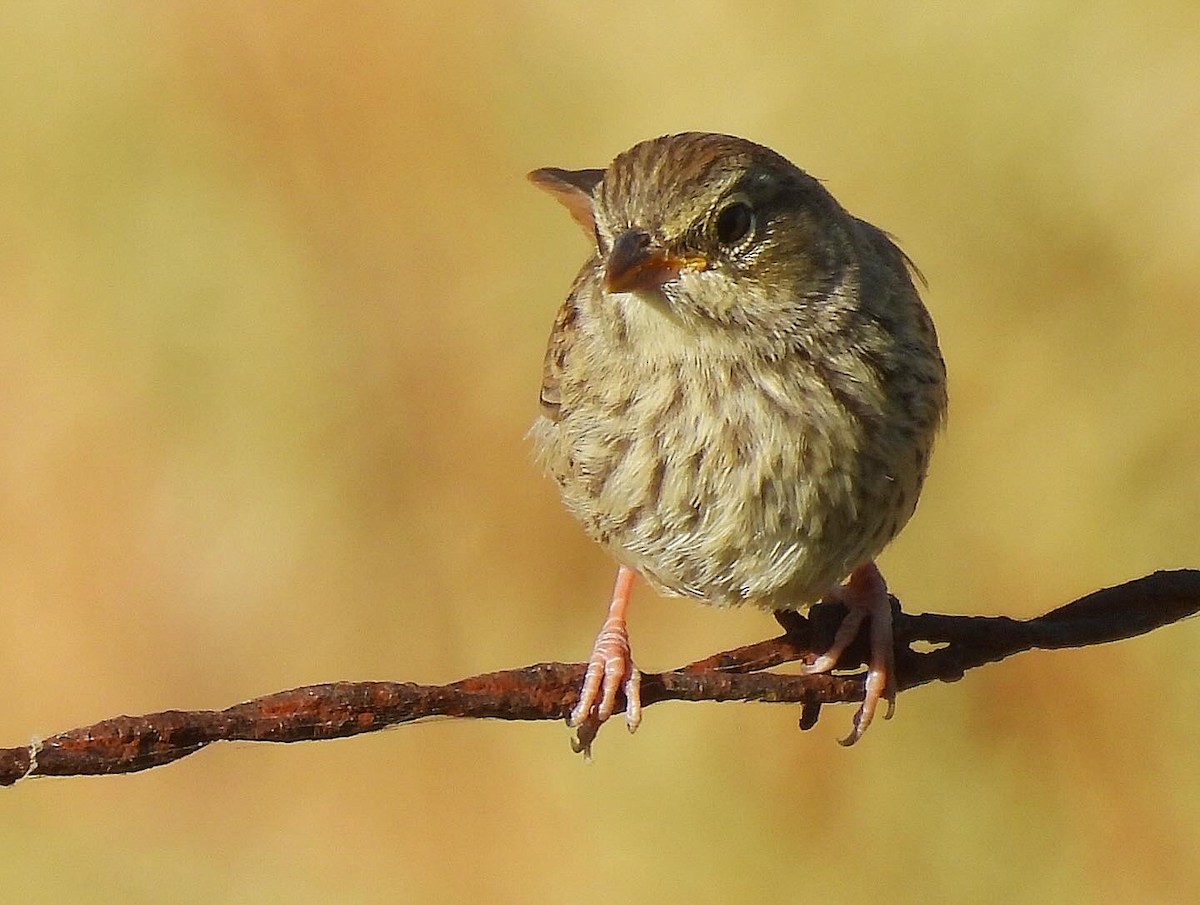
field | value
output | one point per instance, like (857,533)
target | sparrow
(739,398)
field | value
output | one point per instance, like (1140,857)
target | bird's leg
(611,668)
(865,596)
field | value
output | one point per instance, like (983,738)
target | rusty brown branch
(546,691)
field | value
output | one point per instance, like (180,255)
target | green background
(274,295)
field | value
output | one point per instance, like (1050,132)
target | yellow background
(273,299)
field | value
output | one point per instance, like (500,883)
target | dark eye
(734,223)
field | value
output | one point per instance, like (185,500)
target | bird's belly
(725,494)
(732,521)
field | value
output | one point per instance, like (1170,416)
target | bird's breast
(722,479)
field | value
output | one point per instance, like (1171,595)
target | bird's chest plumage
(727,478)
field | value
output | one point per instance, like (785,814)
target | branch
(547,691)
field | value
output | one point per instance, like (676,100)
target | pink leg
(611,668)
(865,596)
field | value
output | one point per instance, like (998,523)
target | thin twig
(547,691)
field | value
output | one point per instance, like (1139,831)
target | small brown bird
(740,395)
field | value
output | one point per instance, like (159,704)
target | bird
(739,399)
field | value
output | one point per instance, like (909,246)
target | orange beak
(635,263)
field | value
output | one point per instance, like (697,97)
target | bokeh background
(273,297)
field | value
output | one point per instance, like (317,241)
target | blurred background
(274,295)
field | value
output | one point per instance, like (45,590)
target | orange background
(274,294)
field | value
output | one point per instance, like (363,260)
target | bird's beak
(635,263)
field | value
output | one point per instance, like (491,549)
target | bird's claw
(865,596)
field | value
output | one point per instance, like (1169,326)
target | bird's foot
(610,671)
(865,596)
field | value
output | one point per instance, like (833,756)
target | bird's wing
(562,337)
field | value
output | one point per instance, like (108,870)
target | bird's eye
(734,223)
